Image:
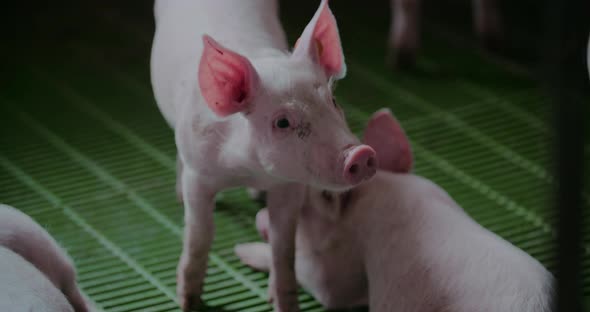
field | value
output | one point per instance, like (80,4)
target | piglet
(404,32)
(247,112)
(38,262)
(23,288)
(399,243)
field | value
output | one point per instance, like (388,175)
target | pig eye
(282,123)
(327,196)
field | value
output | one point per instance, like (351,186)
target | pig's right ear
(321,42)
(386,136)
(227,79)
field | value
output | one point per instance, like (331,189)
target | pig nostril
(353,169)
(371,162)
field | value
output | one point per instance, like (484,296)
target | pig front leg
(198,236)
(284,204)
(404,32)
(487,22)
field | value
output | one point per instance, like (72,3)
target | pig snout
(360,164)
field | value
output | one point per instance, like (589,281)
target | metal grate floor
(86,153)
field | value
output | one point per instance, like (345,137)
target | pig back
(24,288)
(444,259)
(251,28)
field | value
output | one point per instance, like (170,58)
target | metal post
(567,28)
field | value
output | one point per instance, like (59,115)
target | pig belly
(24,288)
(247,27)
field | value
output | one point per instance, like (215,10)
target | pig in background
(398,242)
(36,273)
(247,112)
(404,32)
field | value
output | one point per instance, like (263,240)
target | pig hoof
(190,302)
(188,296)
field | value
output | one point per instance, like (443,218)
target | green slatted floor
(86,153)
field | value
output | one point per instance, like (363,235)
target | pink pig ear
(227,79)
(386,136)
(320,41)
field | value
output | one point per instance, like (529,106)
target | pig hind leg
(404,33)
(487,23)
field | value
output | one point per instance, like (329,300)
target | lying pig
(404,33)
(399,243)
(23,288)
(247,112)
(30,243)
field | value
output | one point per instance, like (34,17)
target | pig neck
(377,221)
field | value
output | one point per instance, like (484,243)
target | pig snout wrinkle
(360,164)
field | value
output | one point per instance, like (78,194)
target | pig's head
(294,128)
(324,209)
(385,135)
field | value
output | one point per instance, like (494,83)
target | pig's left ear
(386,136)
(321,42)
(227,79)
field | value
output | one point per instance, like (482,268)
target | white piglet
(35,269)
(247,112)
(23,288)
(399,243)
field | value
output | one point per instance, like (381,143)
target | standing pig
(404,32)
(246,112)
(29,242)
(399,243)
